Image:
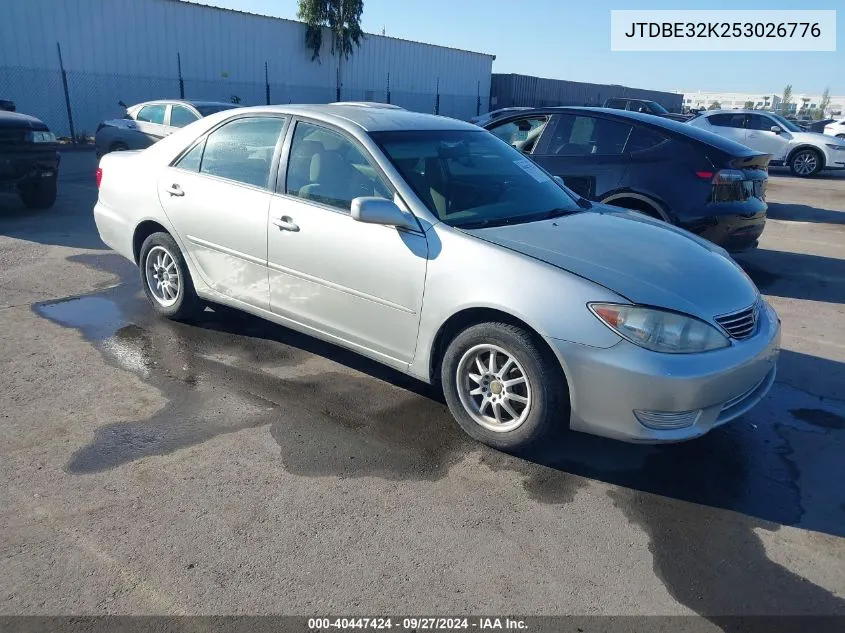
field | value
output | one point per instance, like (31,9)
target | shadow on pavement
(805,213)
(798,275)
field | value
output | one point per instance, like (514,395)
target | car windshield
(787,125)
(205,110)
(472,179)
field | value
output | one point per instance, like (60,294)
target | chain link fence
(75,111)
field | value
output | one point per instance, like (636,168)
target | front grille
(739,325)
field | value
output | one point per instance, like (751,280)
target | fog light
(665,420)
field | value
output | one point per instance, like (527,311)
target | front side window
(576,135)
(153,113)
(242,150)
(326,167)
(180,116)
(522,134)
(470,179)
(786,125)
(759,122)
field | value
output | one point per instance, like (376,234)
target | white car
(837,129)
(805,153)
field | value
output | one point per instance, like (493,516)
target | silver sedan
(433,247)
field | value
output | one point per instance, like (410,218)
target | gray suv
(149,122)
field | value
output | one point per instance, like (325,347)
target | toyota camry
(436,248)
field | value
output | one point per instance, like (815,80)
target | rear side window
(585,136)
(180,116)
(642,138)
(727,120)
(619,104)
(152,113)
(242,150)
(191,160)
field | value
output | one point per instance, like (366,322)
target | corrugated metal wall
(524,90)
(127,50)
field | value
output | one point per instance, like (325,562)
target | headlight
(42,137)
(658,330)
(840,148)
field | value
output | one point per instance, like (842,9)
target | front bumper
(607,385)
(27,166)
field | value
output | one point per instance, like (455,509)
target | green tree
(786,99)
(824,104)
(341,17)
(749,105)
(715,106)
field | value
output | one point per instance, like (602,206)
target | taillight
(704,175)
(99,176)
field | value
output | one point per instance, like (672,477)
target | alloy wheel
(162,276)
(805,163)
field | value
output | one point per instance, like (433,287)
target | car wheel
(41,195)
(805,163)
(118,147)
(166,279)
(501,387)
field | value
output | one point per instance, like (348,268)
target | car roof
(369,119)
(674,128)
(190,102)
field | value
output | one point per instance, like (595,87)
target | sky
(570,39)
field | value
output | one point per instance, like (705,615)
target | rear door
(217,196)
(728,124)
(150,121)
(587,151)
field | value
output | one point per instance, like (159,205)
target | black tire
(186,304)
(548,411)
(41,195)
(118,147)
(796,162)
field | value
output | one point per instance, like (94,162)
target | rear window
(206,110)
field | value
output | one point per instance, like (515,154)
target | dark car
(29,159)
(484,119)
(8,106)
(683,175)
(645,106)
(146,123)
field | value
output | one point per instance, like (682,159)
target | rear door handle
(285,223)
(175,190)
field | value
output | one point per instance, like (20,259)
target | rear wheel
(640,206)
(166,279)
(40,195)
(118,147)
(502,388)
(805,163)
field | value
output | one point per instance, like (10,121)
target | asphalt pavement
(231,466)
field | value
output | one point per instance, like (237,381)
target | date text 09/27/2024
(416,624)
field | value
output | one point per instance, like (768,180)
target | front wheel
(40,195)
(166,279)
(805,163)
(502,388)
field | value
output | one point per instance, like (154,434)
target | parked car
(8,106)
(149,122)
(483,119)
(805,153)
(656,166)
(815,126)
(538,306)
(645,106)
(836,128)
(370,104)
(29,159)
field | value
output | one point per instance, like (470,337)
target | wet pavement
(587,525)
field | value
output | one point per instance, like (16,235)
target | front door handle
(285,223)
(175,190)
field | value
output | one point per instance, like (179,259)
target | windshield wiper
(519,219)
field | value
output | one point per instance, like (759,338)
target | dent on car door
(362,283)
(217,196)
(587,152)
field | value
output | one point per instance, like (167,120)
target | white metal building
(770,101)
(131,50)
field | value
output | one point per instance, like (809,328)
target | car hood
(644,260)
(812,137)
(17,120)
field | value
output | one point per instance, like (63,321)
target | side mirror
(374,210)
(776,129)
(559,180)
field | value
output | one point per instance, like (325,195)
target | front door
(361,283)
(217,197)
(759,136)
(586,151)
